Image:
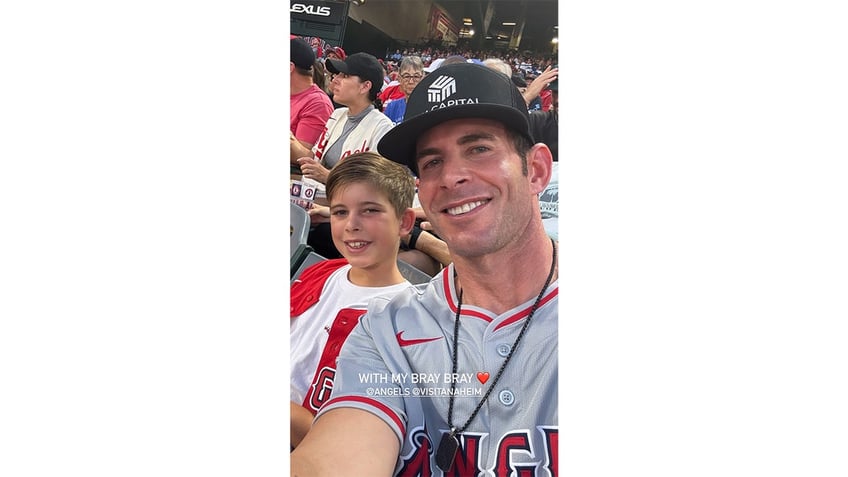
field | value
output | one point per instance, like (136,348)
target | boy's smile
(366,229)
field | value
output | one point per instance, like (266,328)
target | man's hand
(538,84)
(313,169)
(319,214)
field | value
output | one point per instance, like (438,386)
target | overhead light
(466,19)
(554,40)
(470,32)
(508,23)
(467,23)
(357,2)
(555,27)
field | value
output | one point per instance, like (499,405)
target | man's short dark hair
(522,147)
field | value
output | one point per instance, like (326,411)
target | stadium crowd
(359,128)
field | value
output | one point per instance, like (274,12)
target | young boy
(370,201)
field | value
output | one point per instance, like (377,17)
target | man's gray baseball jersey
(397,365)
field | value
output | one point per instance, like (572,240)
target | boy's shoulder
(321,270)
(306,289)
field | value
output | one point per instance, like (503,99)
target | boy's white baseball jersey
(325,307)
(397,364)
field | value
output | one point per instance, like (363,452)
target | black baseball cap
(359,64)
(460,90)
(517,80)
(301,54)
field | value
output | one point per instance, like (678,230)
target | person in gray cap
(460,374)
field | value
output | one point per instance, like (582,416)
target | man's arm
(537,85)
(298,149)
(434,247)
(431,245)
(301,421)
(346,442)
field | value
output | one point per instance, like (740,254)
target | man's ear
(540,164)
(407,221)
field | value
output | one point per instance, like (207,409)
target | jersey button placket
(503,350)
(506,397)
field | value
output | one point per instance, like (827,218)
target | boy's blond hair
(388,177)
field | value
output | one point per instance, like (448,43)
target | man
(461,375)
(310,105)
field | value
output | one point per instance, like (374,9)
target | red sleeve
(392,92)
(306,290)
(547,100)
(313,118)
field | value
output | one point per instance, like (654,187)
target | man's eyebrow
(468,138)
(475,137)
(426,152)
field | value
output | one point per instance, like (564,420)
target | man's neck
(503,280)
(300,84)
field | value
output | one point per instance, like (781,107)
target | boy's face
(365,227)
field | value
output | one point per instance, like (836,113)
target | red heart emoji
(482,377)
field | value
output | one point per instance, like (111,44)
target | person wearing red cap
(336,53)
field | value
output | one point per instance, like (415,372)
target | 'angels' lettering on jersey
(322,383)
(417,463)
(321,388)
(540,455)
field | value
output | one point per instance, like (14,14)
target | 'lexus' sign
(318,11)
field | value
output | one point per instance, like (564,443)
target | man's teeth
(356,244)
(465,208)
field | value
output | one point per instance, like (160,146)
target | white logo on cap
(441,89)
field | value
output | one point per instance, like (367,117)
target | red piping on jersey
(452,304)
(523,314)
(512,319)
(371,402)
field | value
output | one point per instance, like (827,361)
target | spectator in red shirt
(310,105)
